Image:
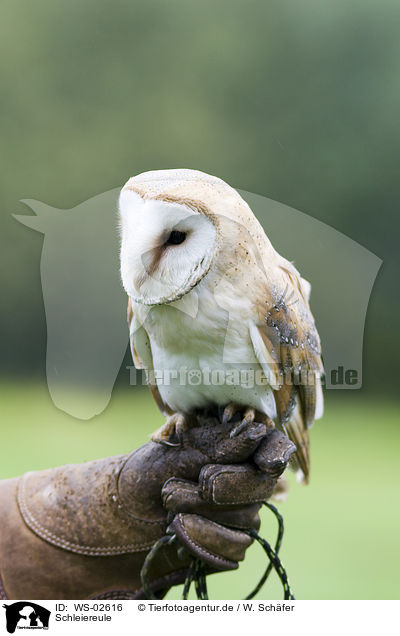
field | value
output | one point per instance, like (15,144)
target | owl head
(177,225)
(167,245)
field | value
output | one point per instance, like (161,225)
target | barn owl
(208,292)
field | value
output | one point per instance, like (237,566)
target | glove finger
(180,495)
(242,446)
(235,484)
(274,452)
(213,439)
(220,547)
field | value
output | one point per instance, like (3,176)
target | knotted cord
(197,569)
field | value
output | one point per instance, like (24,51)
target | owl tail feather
(298,434)
(292,419)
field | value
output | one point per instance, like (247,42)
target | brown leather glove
(83,531)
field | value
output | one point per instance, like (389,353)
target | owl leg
(175,424)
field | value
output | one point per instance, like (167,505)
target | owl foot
(175,425)
(250,415)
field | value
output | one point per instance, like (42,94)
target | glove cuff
(80,508)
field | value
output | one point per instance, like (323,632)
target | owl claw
(164,442)
(248,418)
(229,411)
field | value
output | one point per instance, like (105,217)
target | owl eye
(175,238)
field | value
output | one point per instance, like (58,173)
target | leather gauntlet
(83,531)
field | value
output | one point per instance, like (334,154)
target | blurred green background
(298,102)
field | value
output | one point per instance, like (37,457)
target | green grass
(342,531)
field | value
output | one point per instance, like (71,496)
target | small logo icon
(26,615)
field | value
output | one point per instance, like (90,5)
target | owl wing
(143,357)
(287,346)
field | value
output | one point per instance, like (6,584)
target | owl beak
(150,260)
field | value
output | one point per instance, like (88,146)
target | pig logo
(85,304)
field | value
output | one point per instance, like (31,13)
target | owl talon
(229,411)
(164,442)
(238,429)
(248,418)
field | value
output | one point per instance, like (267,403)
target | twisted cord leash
(188,580)
(197,572)
(201,581)
(278,544)
(167,539)
(276,563)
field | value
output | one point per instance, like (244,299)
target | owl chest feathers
(201,346)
